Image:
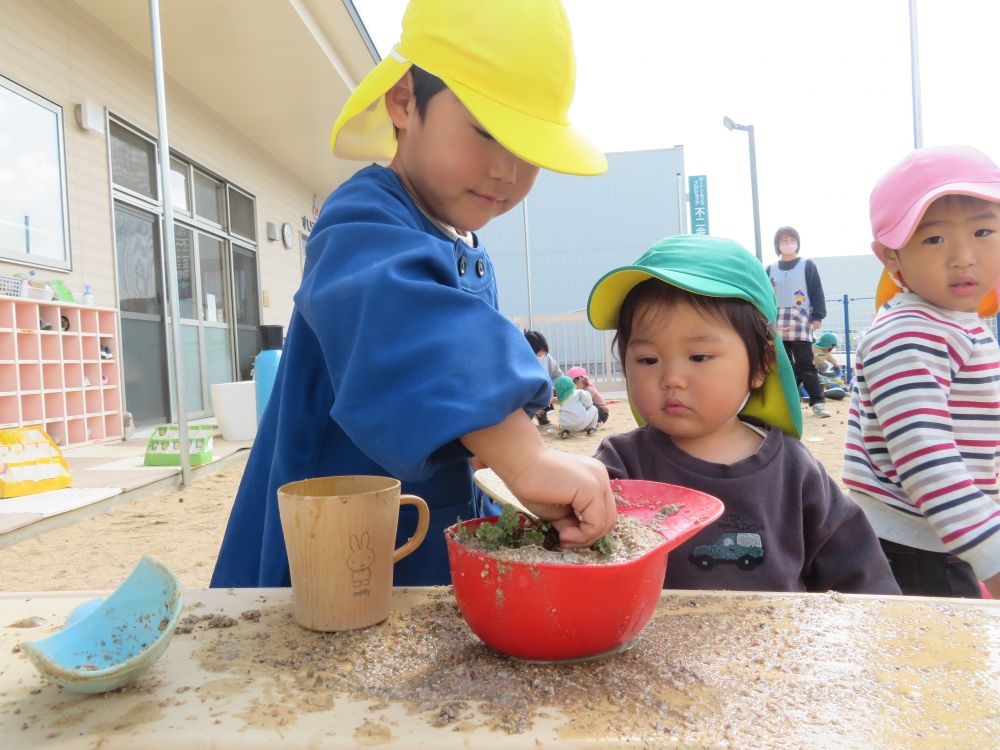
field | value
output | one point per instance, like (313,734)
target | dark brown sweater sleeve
(843,552)
(786,524)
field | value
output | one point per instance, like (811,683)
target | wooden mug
(340,534)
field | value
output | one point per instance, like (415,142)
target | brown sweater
(786,526)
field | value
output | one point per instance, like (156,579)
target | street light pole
(753,191)
(730,125)
(918,124)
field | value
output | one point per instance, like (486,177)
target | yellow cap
(510,63)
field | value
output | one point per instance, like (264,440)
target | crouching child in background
(577,412)
(582,380)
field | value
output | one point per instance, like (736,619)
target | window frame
(186,213)
(220,191)
(231,188)
(24,259)
(119,189)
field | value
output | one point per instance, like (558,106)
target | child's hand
(572,492)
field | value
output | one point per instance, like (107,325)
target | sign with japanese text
(698,201)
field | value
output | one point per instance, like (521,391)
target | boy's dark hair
(748,322)
(537,341)
(425,87)
(787,232)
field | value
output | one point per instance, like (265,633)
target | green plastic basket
(62,292)
(162,449)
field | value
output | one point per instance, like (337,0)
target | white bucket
(235,406)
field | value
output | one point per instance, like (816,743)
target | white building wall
(63,54)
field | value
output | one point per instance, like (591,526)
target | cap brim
(363,129)
(554,146)
(900,234)
(776,402)
(885,290)
(611,289)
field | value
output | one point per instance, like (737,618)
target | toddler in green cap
(398,313)
(712,386)
(577,412)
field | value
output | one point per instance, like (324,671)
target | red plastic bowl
(562,612)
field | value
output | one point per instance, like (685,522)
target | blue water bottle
(265,366)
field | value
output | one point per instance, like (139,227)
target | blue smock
(396,348)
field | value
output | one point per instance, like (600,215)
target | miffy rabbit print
(360,561)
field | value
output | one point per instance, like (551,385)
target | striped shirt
(924,431)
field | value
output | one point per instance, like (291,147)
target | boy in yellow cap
(708,376)
(397,314)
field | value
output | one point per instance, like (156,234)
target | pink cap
(576,372)
(904,192)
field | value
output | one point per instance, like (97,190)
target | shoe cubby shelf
(59,369)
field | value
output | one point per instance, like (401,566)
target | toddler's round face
(688,374)
(953,258)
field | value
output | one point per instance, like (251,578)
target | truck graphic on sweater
(744,550)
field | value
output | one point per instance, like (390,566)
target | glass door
(206,351)
(215,233)
(216,311)
(141,296)
(246,296)
(187,303)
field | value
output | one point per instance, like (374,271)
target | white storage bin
(235,406)
(33,292)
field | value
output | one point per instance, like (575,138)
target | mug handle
(423,521)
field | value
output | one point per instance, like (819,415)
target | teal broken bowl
(107,644)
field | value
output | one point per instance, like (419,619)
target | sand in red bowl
(562,612)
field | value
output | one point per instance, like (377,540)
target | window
(33,213)
(133,162)
(216,273)
(241,218)
(140,277)
(208,198)
(179,186)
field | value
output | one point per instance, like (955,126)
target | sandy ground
(184,527)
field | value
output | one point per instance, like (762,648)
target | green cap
(712,267)
(564,387)
(827,341)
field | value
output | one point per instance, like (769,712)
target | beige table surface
(711,669)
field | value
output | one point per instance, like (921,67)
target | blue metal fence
(848,317)
(574,342)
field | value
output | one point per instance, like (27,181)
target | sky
(826,85)
(30,178)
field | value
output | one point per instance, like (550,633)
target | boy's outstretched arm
(572,492)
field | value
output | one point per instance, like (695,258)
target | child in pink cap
(924,427)
(583,382)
